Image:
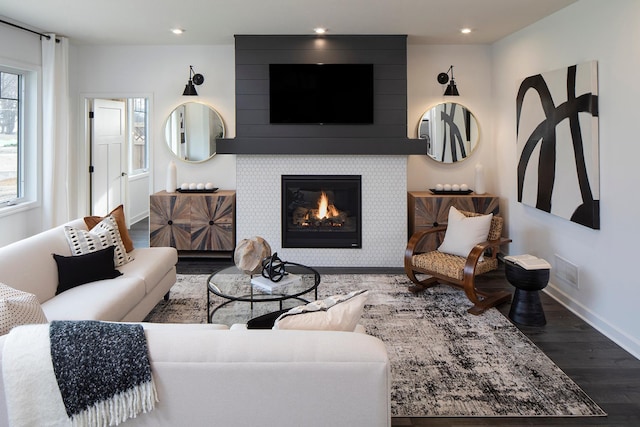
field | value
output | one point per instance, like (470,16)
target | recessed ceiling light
(320,30)
(465,30)
(177,30)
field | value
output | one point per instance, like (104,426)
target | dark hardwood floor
(606,372)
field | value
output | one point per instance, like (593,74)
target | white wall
(587,30)
(138,207)
(162,72)
(472,72)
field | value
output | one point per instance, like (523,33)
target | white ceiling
(144,22)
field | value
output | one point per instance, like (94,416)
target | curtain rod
(26,29)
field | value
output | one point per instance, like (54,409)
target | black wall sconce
(194,79)
(443,79)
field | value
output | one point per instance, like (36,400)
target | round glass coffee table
(232,285)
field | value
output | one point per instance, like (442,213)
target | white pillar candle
(480,188)
(172,177)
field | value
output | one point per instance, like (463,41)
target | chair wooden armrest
(419,236)
(468,281)
(415,240)
(494,245)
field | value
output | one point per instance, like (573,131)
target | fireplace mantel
(320,146)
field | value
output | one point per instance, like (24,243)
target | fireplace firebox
(321,211)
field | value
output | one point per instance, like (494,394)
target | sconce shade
(194,79)
(451,89)
(190,89)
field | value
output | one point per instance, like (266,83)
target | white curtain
(55,131)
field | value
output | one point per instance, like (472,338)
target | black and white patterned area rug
(445,362)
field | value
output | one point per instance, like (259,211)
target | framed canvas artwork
(557,143)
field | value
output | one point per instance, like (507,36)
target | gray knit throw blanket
(102,370)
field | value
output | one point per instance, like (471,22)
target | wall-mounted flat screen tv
(321,93)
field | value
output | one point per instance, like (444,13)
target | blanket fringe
(119,408)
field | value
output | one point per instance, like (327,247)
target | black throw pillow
(80,269)
(265,321)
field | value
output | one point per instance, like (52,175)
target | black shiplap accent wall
(254,133)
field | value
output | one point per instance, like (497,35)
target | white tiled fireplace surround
(384,206)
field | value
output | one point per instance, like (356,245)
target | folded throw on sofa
(77,373)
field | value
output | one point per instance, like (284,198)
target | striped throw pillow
(101,236)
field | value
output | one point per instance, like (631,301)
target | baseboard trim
(624,340)
(206,254)
(138,217)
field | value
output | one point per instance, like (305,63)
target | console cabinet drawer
(193,221)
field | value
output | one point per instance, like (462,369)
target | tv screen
(321,93)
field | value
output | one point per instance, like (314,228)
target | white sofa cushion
(151,265)
(17,259)
(108,299)
(207,377)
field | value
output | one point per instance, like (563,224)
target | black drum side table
(526,307)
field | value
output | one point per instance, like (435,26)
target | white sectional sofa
(28,265)
(210,375)
(207,375)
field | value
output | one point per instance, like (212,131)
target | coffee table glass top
(232,285)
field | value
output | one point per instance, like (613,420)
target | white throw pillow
(18,308)
(101,236)
(336,313)
(464,232)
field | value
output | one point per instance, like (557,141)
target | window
(19,129)
(138,143)
(11,141)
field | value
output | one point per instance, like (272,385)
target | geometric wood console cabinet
(427,210)
(193,221)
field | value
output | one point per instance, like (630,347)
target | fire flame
(325,210)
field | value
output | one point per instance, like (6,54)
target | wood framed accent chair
(470,247)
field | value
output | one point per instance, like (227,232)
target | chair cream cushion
(464,232)
(450,265)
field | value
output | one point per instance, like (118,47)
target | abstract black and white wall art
(557,140)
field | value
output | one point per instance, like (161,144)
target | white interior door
(108,156)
